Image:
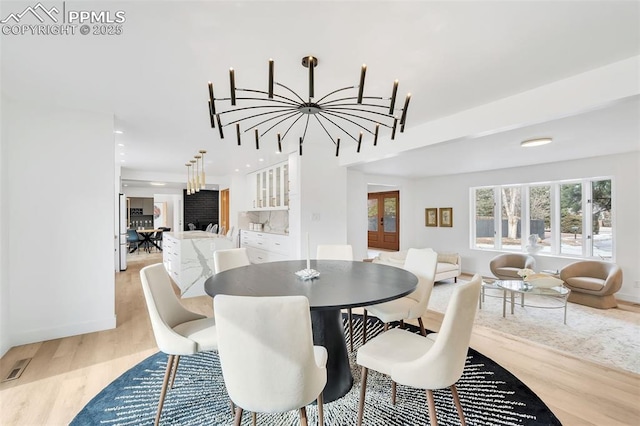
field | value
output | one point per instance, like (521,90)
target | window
(485,235)
(511,203)
(540,215)
(570,218)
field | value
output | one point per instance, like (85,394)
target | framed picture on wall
(446,216)
(431,217)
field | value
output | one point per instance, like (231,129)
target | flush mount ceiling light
(338,113)
(535,142)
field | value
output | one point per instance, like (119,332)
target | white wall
(5,341)
(60,172)
(453,191)
(323,197)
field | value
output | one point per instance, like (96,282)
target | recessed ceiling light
(122,161)
(248,165)
(126,184)
(118,132)
(535,142)
(120,144)
(237,170)
(261,159)
(158,183)
(122,153)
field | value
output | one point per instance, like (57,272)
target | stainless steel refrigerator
(122,229)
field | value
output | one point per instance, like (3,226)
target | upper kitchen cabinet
(269,188)
(147,206)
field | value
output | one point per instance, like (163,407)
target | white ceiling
(451,56)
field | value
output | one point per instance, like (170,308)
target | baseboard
(631,298)
(40,335)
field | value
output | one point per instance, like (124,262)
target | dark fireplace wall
(200,208)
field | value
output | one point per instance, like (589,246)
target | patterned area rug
(489,394)
(609,337)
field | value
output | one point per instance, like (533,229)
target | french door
(384,220)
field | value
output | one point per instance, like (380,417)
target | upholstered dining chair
(423,263)
(177,330)
(214,229)
(338,252)
(229,259)
(412,360)
(133,239)
(268,359)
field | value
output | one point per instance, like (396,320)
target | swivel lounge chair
(592,283)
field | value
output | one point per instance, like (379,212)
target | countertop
(193,235)
(266,232)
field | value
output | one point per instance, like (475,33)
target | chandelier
(339,113)
(195,173)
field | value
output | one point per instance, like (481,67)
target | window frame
(587,251)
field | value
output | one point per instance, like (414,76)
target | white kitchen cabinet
(269,188)
(264,247)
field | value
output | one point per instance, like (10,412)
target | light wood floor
(65,374)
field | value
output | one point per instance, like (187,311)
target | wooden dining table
(341,285)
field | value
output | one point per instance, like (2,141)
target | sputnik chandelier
(336,111)
(196,179)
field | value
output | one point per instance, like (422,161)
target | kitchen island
(188,258)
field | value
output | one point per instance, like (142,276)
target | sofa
(449,264)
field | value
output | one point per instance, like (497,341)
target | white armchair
(421,262)
(177,330)
(268,359)
(429,364)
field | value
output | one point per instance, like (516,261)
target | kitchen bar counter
(188,258)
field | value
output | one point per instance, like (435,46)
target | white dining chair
(422,263)
(230,258)
(268,359)
(177,330)
(338,252)
(412,360)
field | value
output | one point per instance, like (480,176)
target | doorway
(384,220)
(224,208)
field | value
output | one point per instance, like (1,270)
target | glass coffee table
(557,295)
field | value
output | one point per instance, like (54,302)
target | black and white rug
(489,394)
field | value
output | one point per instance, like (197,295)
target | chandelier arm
(297,96)
(380,98)
(284,119)
(338,126)
(256,107)
(340,110)
(293,102)
(240,120)
(290,113)
(335,106)
(304,134)
(335,91)
(292,124)
(325,129)
(340,116)
(281,108)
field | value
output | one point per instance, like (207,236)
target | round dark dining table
(341,284)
